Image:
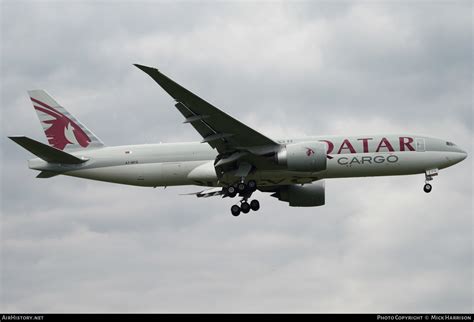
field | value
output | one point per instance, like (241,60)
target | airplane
(232,159)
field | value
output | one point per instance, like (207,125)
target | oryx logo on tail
(60,130)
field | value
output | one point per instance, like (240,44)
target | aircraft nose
(461,155)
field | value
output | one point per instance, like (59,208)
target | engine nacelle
(304,156)
(309,195)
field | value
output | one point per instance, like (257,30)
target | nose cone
(458,156)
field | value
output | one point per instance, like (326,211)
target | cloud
(286,69)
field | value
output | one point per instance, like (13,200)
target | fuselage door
(420,144)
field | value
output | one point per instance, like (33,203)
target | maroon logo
(309,152)
(62,130)
(384,145)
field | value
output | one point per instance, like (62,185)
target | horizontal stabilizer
(46,152)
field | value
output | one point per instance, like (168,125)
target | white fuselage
(192,163)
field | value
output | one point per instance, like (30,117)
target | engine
(304,156)
(309,195)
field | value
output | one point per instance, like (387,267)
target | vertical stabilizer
(63,131)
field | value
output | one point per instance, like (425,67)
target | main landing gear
(429,174)
(245,190)
(245,207)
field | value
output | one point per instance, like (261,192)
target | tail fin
(63,131)
(46,152)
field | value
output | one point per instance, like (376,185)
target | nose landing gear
(429,174)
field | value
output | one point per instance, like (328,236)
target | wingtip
(146,69)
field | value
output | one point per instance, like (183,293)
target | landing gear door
(420,144)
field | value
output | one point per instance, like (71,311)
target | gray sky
(291,69)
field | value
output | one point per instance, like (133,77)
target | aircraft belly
(132,174)
(148,174)
(175,173)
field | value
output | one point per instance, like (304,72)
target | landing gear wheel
(252,185)
(231,191)
(235,210)
(245,207)
(255,205)
(241,187)
(427,188)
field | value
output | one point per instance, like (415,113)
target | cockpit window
(450,144)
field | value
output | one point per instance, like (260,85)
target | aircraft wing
(218,129)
